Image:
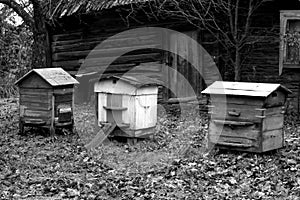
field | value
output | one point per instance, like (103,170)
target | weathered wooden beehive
(46,99)
(129,102)
(253,120)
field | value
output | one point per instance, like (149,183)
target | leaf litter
(171,165)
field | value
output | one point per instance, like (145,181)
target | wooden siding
(34,81)
(262,63)
(74,38)
(71,46)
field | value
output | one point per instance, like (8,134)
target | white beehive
(130,102)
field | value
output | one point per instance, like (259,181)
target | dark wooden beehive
(46,99)
(246,116)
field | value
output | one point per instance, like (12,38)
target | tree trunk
(41,52)
(40,38)
(237,66)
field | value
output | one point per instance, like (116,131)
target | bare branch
(20,11)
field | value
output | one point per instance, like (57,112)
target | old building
(80,27)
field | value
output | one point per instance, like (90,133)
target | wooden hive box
(246,116)
(129,102)
(46,99)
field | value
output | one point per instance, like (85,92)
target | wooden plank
(144,133)
(236,92)
(272,140)
(63,98)
(145,111)
(41,97)
(89,44)
(232,140)
(40,118)
(232,123)
(64,91)
(34,99)
(274,111)
(114,108)
(95,34)
(35,102)
(273,122)
(36,94)
(259,102)
(34,91)
(36,106)
(245,86)
(130,69)
(101,136)
(98,53)
(114,116)
(246,113)
(104,61)
(52,128)
(36,113)
(248,132)
(96,107)
(182,100)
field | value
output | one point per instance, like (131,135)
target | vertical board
(102,101)
(114,100)
(128,115)
(146,111)
(272,140)
(184,79)
(273,122)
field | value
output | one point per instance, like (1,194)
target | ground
(174,164)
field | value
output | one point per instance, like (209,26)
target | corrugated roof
(70,7)
(53,76)
(243,88)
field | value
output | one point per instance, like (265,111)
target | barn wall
(262,64)
(70,46)
(74,38)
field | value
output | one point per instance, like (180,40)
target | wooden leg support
(21,128)
(132,141)
(52,130)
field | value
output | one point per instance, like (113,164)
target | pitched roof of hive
(53,76)
(70,7)
(244,89)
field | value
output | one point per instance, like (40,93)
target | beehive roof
(135,80)
(244,89)
(53,76)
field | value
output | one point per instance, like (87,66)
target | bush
(15,53)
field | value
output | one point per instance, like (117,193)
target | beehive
(46,99)
(253,120)
(130,102)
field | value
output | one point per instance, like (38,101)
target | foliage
(15,52)
(170,166)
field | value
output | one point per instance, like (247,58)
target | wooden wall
(72,44)
(73,38)
(262,64)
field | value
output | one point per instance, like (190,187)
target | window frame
(285,16)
